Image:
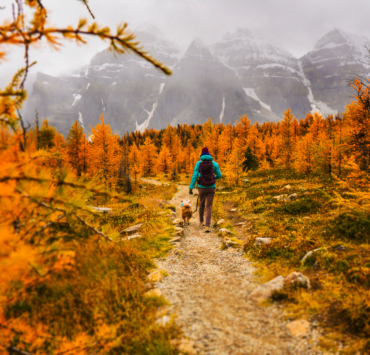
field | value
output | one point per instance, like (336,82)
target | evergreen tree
(105,152)
(75,144)
(250,162)
(148,153)
(46,136)
(164,161)
(288,138)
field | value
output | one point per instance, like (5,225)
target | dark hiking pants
(206,195)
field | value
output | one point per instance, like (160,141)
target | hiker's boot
(201,224)
(208,230)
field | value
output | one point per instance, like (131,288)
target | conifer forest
(94,256)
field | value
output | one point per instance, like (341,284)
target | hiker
(206,171)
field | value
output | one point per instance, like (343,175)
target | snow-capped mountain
(240,74)
(336,58)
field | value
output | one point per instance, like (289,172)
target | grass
(339,273)
(97,299)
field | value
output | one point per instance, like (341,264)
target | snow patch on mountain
(81,120)
(251,93)
(315,105)
(77,97)
(161,88)
(141,128)
(223,110)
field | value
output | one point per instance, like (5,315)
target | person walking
(206,172)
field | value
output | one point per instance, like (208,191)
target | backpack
(207,177)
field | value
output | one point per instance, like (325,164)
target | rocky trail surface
(208,289)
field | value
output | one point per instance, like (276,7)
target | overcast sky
(294,25)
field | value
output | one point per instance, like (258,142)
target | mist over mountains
(239,74)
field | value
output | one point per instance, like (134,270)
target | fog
(294,25)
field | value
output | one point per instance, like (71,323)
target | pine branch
(93,229)
(120,43)
(85,2)
(40,203)
(47,225)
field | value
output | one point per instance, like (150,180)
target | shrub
(342,265)
(351,227)
(301,206)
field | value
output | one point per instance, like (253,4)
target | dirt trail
(208,290)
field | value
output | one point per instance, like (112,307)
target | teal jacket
(196,174)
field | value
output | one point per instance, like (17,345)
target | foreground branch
(93,229)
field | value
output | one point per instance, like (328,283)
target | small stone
(177,221)
(265,291)
(226,193)
(221,221)
(231,244)
(224,232)
(163,321)
(132,230)
(240,224)
(280,197)
(293,196)
(233,210)
(101,209)
(340,248)
(175,240)
(155,292)
(246,180)
(155,276)
(306,193)
(137,235)
(299,328)
(287,187)
(262,241)
(306,217)
(297,279)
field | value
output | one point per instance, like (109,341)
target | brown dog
(186,211)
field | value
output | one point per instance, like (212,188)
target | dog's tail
(186,208)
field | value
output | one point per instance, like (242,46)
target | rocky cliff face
(268,73)
(336,58)
(241,74)
(201,87)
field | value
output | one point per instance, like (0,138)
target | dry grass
(340,277)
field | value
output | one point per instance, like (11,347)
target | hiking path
(208,290)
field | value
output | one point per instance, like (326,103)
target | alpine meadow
(95,257)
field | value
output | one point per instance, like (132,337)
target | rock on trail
(209,290)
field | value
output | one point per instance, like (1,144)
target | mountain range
(240,74)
